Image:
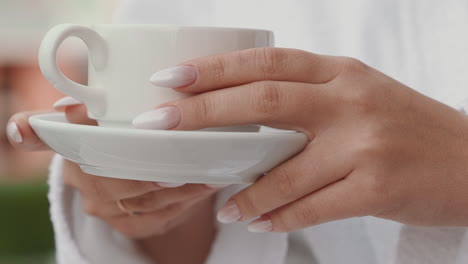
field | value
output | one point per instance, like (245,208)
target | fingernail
(161,118)
(175,77)
(13,133)
(170,184)
(261,225)
(217,186)
(66,101)
(230,213)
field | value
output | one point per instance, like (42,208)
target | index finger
(247,66)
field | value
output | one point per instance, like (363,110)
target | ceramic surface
(168,156)
(123,58)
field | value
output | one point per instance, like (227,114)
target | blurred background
(25,230)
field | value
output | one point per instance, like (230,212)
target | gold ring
(124,209)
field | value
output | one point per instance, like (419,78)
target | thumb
(21,135)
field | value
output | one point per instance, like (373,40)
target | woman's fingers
(98,208)
(242,67)
(317,166)
(343,199)
(21,135)
(62,104)
(75,111)
(154,223)
(162,198)
(101,196)
(78,114)
(277,104)
(102,188)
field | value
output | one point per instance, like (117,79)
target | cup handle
(92,97)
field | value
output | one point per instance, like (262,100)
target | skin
(158,218)
(377,147)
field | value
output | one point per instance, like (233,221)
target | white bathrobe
(423,43)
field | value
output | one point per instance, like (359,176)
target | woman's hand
(377,147)
(135,208)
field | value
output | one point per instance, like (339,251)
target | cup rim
(175,26)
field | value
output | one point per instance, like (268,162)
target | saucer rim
(53,128)
(39,119)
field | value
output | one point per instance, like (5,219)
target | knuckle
(372,148)
(244,57)
(300,217)
(280,222)
(218,69)
(19,118)
(269,60)
(353,65)
(362,100)
(268,97)
(365,95)
(306,216)
(204,109)
(284,183)
(248,206)
(336,68)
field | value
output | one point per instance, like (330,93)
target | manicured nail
(175,77)
(170,184)
(261,225)
(217,186)
(161,118)
(230,213)
(13,133)
(66,101)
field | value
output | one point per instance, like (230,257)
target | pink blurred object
(23,23)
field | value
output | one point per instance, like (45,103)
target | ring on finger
(125,210)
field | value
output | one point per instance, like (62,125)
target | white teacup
(122,58)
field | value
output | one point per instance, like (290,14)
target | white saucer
(168,156)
